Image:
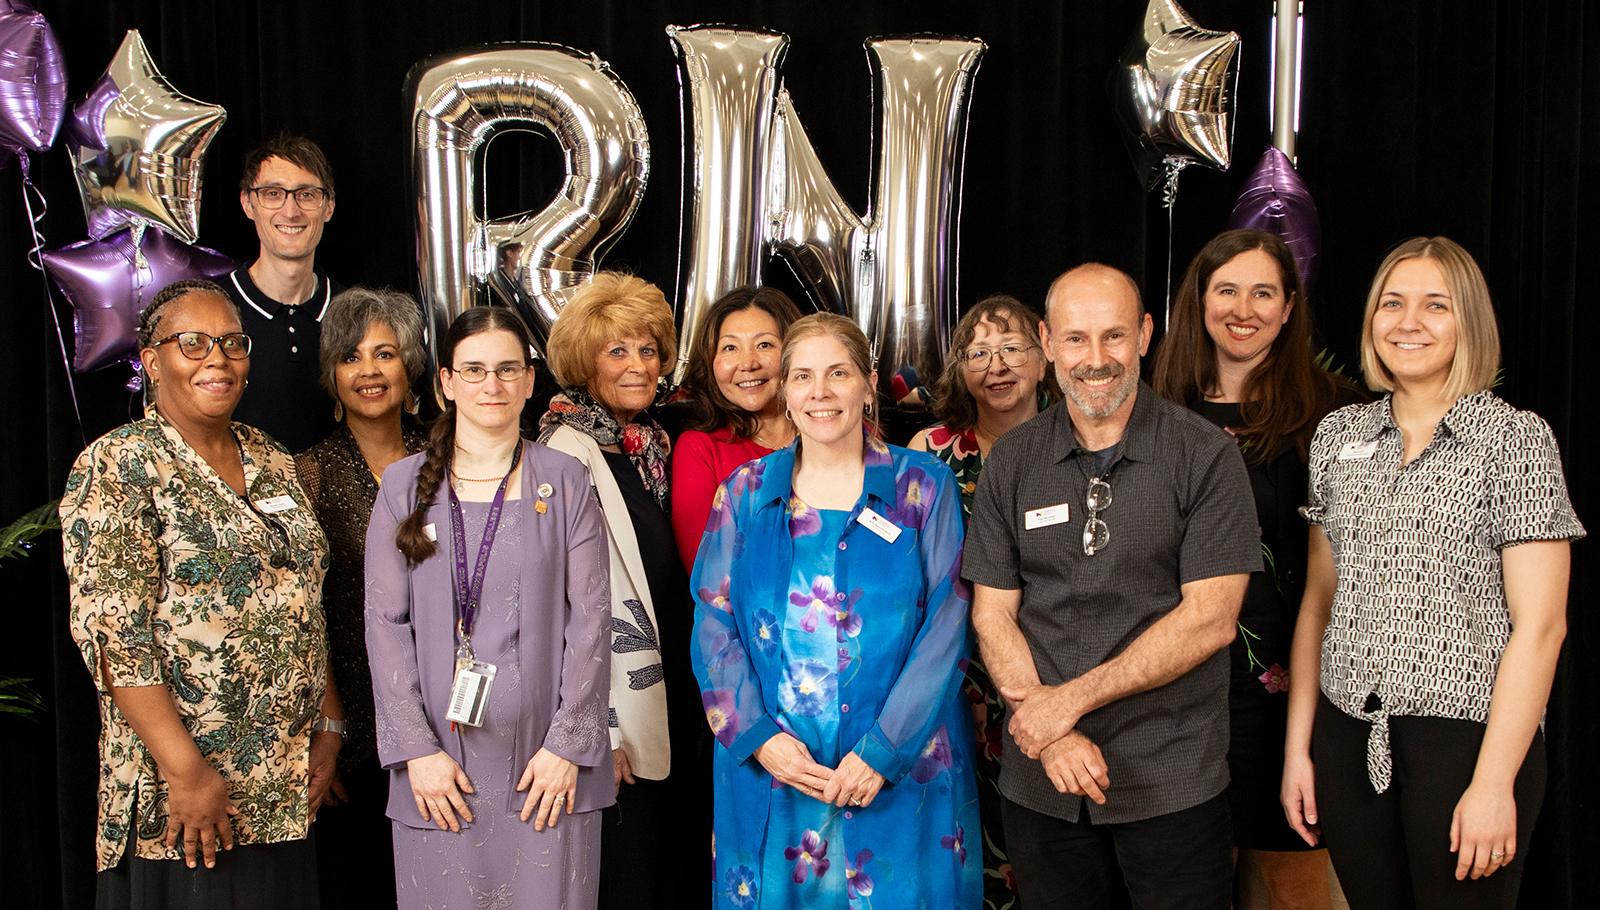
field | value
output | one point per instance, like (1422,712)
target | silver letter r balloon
(461,100)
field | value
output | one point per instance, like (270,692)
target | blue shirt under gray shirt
(1181,511)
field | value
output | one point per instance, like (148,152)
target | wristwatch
(327,724)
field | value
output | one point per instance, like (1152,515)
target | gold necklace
(473,479)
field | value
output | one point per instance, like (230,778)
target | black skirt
(281,876)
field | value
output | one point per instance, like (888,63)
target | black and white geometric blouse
(1419,615)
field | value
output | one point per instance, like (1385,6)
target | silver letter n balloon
(758,189)
(461,100)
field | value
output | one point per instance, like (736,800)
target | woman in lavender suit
(487,550)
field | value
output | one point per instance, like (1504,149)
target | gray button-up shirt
(1181,511)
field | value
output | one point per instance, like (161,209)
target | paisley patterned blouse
(177,581)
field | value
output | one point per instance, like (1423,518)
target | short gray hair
(356,309)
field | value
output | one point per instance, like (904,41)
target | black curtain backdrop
(1475,119)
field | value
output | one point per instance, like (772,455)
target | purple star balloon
(109,282)
(1276,200)
(137,144)
(33,81)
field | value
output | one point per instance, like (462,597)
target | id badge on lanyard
(469,693)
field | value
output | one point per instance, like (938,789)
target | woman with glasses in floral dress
(994,379)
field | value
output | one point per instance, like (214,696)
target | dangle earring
(412,405)
(338,412)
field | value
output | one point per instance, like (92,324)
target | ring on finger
(1497,855)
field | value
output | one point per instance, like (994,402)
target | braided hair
(150,318)
(439,454)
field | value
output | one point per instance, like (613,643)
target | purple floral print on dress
(912,492)
(742,889)
(767,630)
(844,617)
(747,478)
(820,601)
(808,687)
(936,757)
(956,843)
(803,520)
(810,855)
(721,715)
(720,513)
(856,877)
(719,597)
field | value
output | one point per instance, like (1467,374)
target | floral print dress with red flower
(849,633)
(959,450)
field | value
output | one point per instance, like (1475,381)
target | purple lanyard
(466,594)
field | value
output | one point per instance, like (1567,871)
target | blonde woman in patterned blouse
(195,568)
(1435,605)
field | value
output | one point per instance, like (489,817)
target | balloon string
(1169,201)
(36,259)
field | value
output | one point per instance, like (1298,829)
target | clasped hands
(1043,719)
(853,783)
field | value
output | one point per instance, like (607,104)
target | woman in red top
(731,391)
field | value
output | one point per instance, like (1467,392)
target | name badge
(430,532)
(1358,451)
(1046,516)
(879,525)
(469,697)
(276,504)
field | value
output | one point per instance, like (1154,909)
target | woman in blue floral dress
(830,627)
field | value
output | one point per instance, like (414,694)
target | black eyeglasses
(510,372)
(198,345)
(1095,533)
(306,197)
(1012,355)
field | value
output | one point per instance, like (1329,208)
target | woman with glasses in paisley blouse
(195,567)
(1434,608)
(372,357)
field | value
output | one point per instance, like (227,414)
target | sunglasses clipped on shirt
(1095,532)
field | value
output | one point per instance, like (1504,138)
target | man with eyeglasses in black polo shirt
(287,191)
(1110,542)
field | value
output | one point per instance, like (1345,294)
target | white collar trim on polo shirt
(327,295)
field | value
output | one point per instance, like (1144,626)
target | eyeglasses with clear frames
(1012,355)
(198,345)
(305,197)
(1095,533)
(509,372)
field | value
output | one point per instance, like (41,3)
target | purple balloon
(33,81)
(1276,200)
(109,282)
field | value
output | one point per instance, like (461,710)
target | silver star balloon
(137,145)
(1174,88)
